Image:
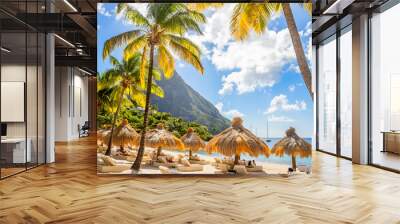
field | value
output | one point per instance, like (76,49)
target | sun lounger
(254,169)
(164,170)
(115,168)
(191,168)
(100,161)
(240,169)
(164,164)
(201,162)
(223,167)
(305,169)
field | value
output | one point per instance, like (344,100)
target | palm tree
(155,35)
(122,82)
(255,16)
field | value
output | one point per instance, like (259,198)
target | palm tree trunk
(294,163)
(237,158)
(139,157)
(108,152)
(298,48)
(158,152)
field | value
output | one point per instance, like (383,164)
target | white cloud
(274,118)
(254,63)
(281,102)
(292,88)
(294,68)
(307,30)
(230,113)
(102,10)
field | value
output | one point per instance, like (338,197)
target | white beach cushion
(164,170)
(191,168)
(109,161)
(185,162)
(100,161)
(163,159)
(223,167)
(240,169)
(116,168)
(254,169)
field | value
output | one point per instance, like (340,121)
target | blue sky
(257,79)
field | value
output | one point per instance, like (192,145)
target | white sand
(268,168)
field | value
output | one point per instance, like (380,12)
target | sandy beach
(209,168)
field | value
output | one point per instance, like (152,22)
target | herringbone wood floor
(70,192)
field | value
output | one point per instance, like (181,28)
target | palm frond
(138,97)
(165,61)
(121,7)
(186,43)
(240,25)
(308,7)
(200,7)
(187,55)
(159,12)
(134,46)
(143,66)
(119,40)
(157,90)
(259,15)
(114,61)
(136,17)
(182,22)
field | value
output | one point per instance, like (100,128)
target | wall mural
(204,88)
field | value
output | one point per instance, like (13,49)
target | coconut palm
(123,85)
(255,16)
(155,35)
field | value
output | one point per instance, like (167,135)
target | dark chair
(84,130)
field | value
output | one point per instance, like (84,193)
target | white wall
(71,94)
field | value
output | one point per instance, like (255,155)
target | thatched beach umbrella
(161,138)
(192,141)
(236,140)
(101,134)
(124,135)
(292,145)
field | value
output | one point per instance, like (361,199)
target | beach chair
(191,168)
(240,169)
(254,169)
(114,169)
(164,170)
(109,164)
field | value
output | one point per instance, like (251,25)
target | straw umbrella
(124,135)
(292,145)
(101,134)
(192,141)
(161,138)
(236,140)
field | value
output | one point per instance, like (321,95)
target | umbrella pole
(237,158)
(190,154)
(294,162)
(158,152)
